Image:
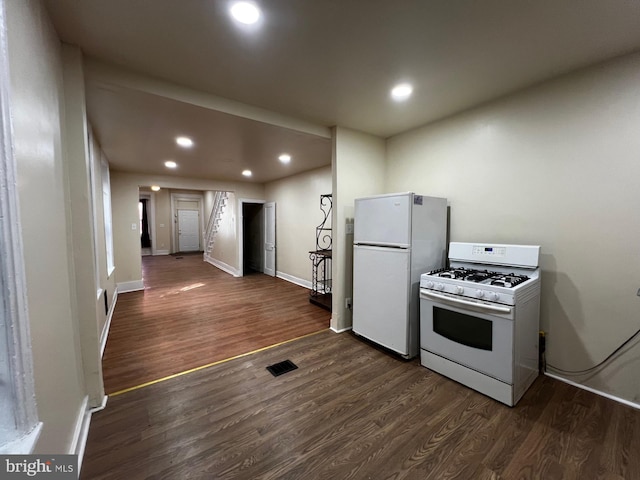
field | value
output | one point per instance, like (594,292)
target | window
(106,205)
(94,190)
(19,425)
(7,415)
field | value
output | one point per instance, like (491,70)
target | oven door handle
(459,301)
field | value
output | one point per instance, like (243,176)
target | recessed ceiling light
(170,164)
(245,12)
(246,173)
(185,142)
(285,158)
(401,92)
(155,188)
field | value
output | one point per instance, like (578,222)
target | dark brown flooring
(191,314)
(351,411)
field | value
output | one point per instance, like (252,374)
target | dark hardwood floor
(192,314)
(351,411)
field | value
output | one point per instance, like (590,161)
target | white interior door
(188,231)
(270,239)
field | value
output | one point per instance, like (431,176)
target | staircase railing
(213,225)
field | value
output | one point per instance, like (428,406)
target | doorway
(187,219)
(146,213)
(257,249)
(252,238)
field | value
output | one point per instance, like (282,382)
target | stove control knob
(459,289)
(492,296)
(479,293)
(439,286)
(429,284)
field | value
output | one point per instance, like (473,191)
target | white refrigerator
(396,237)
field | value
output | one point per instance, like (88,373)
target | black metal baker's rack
(321,258)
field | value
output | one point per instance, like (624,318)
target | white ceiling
(138,129)
(323,62)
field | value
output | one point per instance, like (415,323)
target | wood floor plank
(191,314)
(351,411)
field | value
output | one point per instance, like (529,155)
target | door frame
(151,214)
(265,233)
(241,202)
(189,197)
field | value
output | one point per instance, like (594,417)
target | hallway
(192,314)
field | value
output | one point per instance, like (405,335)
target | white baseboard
(161,252)
(341,330)
(133,286)
(292,279)
(222,266)
(81,431)
(107,324)
(102,405)
(593,390)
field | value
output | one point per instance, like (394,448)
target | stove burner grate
(478,276)
(508,280)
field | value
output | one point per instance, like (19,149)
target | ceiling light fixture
(155,188)
(285,158)
(170,164)
(185,142)
(246,173)
(245,12)
(401,92)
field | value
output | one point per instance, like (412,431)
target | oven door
(474,334)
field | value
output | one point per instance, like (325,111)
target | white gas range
(479,318)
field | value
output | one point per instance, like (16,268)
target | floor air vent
(281,367)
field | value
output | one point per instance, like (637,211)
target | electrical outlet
(347,303)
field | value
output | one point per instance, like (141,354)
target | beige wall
(36,102)
(225,248)
(163,221)
(209,198)
(126,240)
(358,165)
(81,225)
(297,216)
(556,166)
(124,192)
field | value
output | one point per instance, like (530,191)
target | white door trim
(267,246)
(240,218)
(151,214)
(190,197)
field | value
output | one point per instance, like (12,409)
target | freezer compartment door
(381,296)
(383,220)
